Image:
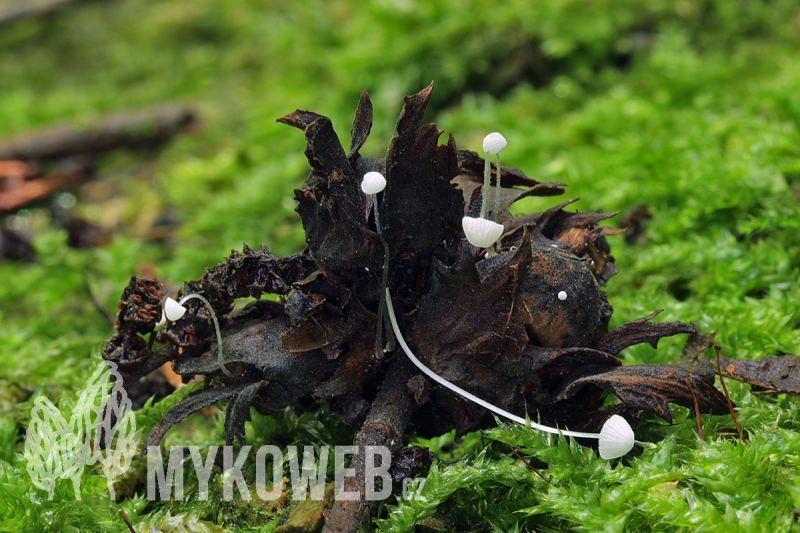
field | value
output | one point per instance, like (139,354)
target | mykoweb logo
(307,479)
(101,428)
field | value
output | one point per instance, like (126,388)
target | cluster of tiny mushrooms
(616,438)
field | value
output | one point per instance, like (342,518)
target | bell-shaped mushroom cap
(373,183)
(493,143)
(173,310)
(616,438)
(481,232)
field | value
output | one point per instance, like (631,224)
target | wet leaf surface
(652,387)
(781,374)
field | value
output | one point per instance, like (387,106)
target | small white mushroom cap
(562,295)
(493,143)
(616,438)
(173,310)
(481,232)
(373,183)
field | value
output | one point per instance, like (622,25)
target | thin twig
(727,397)
(127,522)
(527,463)
(696,411)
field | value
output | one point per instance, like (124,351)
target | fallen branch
(26,8)
(139,129)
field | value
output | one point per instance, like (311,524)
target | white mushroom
(493,143)
(373,183)
(173,311)
(616,438)
(481,232)
(562,295)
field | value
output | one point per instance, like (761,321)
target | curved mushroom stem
(216,328)
(615,423)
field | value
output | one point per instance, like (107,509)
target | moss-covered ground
(689,107)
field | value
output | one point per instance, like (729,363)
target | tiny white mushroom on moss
(373,183)
(173,311)
(616,438)
(481,232)
(562,295)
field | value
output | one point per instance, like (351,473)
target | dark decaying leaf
(191,403)
(419,203)
(361,125)
(359,368)
(471,170)
(253,272)
(238,412)
(653,387)
(331,204)
(462,314)
(641,330)
(781,374)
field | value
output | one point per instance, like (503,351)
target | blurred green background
(688,107)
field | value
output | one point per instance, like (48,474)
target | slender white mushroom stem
(216,328)
(616,437)
(492,144)
(487,176)
(372,184)
(496,214)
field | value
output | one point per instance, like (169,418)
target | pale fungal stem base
(216,328)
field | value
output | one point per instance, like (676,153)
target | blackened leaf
(238,413)
(781,374)
(462,315)
(639,331)
(361,125)
(191,403)
(653,387)
(473,197)
(419,203)
(471,170)
(300,119)
(359,367)
(251,273)
(331,204)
